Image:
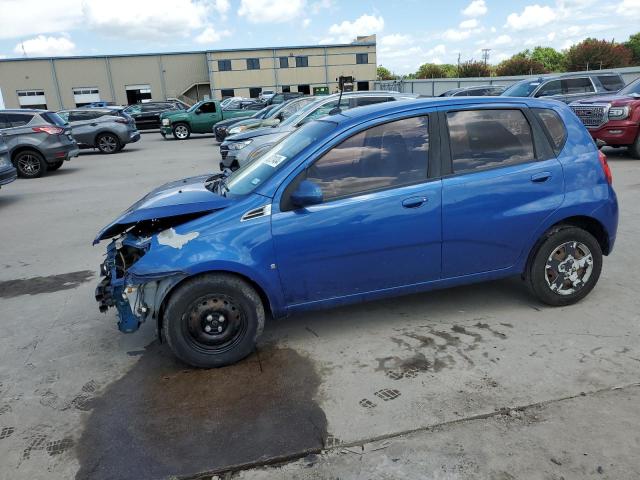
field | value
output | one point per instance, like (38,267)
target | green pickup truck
(200,118)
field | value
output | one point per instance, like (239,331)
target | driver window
(208,107)
(385,156)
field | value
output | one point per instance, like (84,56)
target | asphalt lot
(472,382)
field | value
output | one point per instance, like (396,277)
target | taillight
(605,167)
(50,130)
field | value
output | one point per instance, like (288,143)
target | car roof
(544,78)
(24,110)
(387,108)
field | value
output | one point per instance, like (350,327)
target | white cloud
(158,19)
(221,6)
(476,8)
(211,35)
(306,22)
(21,18)
(502,40)
(271,11)
(471,23)
(317,7)
(533,16)
(454,35)
(43,46)
(394,40)
(364,25)
(438,50)
(629,8)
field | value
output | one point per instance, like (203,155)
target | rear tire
(634,149)
(30,164)
(52,167)
(565,267)
(213,320)
(181,131)
(107,143)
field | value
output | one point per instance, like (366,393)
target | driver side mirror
(307,193)
(198,111)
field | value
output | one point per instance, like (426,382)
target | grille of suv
(591,115)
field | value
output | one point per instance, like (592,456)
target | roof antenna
(343,83)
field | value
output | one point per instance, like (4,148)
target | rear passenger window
(381,157)
(611,83)
(18,119)
(482,139)
(577,85)
(553,126)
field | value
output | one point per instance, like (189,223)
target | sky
(409,32)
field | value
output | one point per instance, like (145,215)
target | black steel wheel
(30,164)
(566,266)
(107,143)
(213,320)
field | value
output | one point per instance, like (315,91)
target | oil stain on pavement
(162,419)
(49,284)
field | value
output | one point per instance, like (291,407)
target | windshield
(246,179)
(521,89)
(633,87)
(193,107)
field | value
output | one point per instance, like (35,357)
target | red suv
(613,120)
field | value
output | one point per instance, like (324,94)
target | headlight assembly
(239,145)
(166,121)
(618,113)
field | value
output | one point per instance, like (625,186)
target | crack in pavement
(387,436)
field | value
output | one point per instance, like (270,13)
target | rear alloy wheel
(181,131)
(108,143)
(566,266)
(30,164)
(213,320)
(55,166)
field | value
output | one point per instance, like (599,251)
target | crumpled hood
(258,132)
(181,197)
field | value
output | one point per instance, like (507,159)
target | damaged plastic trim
(173,239)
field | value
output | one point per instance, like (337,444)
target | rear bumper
(134,136)
(616,133)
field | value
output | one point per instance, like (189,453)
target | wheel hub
(569,267)
(215,322)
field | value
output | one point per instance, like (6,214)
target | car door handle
(94,124)
(540,177)
(414,202)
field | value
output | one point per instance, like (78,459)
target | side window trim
(433,158)
(539,150)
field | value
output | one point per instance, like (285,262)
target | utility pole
(485,55)
(458,64)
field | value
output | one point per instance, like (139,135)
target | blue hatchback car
(378,201)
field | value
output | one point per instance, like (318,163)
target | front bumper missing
(135,298)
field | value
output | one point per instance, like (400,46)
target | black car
(477,91)
(147,115)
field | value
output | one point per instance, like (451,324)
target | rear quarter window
(18,119)
(611,83)
(53,119)
(553,127)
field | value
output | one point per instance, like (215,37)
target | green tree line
(590,54)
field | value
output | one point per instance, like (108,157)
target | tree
(519,65)
(595,54)
(472,68)
(550,58)
(430,70)
(449,69)
(384,73)
(633,44)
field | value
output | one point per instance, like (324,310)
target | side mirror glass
(307,193)
(198,111)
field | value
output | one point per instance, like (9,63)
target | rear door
(501,181)
(83,125)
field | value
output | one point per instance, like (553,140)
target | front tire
(213,320)
(565,267)
(108,143)
(181,131)
(634,149)
(30,164)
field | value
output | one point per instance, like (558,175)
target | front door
(498,193)
(378,226)
(205,117)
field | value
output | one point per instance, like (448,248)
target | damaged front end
(135,298)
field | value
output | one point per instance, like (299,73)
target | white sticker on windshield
(274,160)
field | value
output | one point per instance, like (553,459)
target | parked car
(98,128)
(221,129)
(200,118)
(8,173)
(379,201)
(266,95)
(244,104)
(567,88)
(477,91)
(238,150)
(147,115)
(613,120)
(277,113)
(225,101)
(100,104)
(38,140)
(283,97)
